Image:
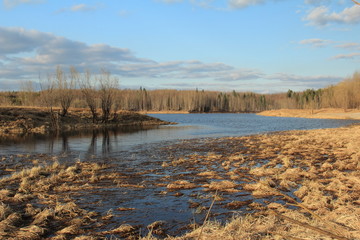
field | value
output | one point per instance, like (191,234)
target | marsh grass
(304,185)
(307,186)
(181,184)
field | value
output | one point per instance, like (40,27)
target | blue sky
(264,46)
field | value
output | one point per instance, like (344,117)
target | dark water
(139,153)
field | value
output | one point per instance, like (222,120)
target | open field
(25,120)
(286,185)
(328,113)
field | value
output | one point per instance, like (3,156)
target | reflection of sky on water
(113,141)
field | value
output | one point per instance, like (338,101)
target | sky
(263,46)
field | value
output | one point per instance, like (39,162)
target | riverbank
(163,112)
(325,113)
(305,185)
(285,185)
(30,120)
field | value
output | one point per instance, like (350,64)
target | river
(190,126)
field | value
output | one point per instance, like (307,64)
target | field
(303,185)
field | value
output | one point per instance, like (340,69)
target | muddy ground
(285,185)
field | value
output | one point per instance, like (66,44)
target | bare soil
(27,120)
(325,113)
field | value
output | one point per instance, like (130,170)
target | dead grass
(328,113)
(319,167)
(305,185)
(224,185)
(181,184)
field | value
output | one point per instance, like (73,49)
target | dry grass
(321,168)
(181,184)
(327,113)
(305,185)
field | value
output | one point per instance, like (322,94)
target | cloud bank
(322,16)
(27,53)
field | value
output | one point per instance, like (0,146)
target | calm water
(116,141)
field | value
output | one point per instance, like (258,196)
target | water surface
(112,142)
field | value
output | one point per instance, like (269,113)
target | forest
(63,90)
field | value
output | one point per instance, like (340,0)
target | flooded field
(163,180)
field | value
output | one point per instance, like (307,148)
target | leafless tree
(49,100)
(107,89)
(47,92)
(64,88)
(90,93)
(27,93)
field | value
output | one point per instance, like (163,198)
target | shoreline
(325,113)
(36,120)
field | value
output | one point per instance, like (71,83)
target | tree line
(100,93)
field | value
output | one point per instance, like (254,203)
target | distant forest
(101,91)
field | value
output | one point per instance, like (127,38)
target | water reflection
(88,142)
(115,142)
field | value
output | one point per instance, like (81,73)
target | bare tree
(49,99)
(27,93)
(64,88)
(47,92)
(107,89)
(88,89)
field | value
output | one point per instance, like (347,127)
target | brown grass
(327,113)
(305,185)
(321,168)
(181,184)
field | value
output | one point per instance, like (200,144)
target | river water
(115,141)
(140,153)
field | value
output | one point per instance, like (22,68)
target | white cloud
(317,2)
(244,3)
(123,13)
(306,81)
(315,42)
(14,3)
(321,16)
(80,8)
(346,56)
(349,46)
(18,40)
(170,1)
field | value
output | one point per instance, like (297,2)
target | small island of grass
(30,120)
